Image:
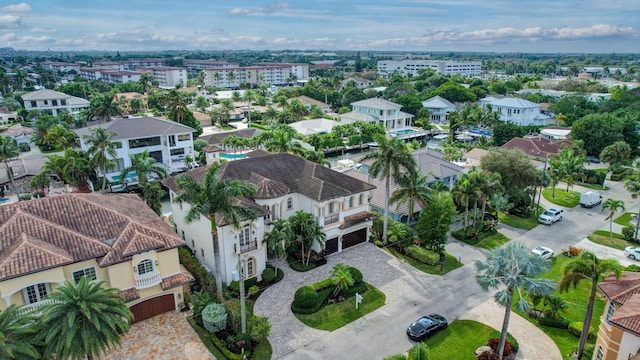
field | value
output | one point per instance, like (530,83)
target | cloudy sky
(419,25)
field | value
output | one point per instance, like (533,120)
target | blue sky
(412,25)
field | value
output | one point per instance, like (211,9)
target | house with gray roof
(379,111)
(285,184)
(516,111)
(167,141)
(53,102)
(439,109)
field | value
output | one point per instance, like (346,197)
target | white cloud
(41,30)
(269,9)
(10,21)
(14,8)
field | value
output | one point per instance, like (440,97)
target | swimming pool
(227,156)
(403,131)
(129,176)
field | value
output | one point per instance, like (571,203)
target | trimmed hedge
(268,275)
(306,297)
(423,255)
(356,275)
(514,343)
(575,329)
(633,268)
(561,323)
(214,317)
(228,354)
(360,287)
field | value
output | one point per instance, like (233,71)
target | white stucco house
(285,184)
(167,141)
(439,109)
(516,111)
(379,111)
(53,102)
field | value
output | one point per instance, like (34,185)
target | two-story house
(379,111)
(53,102)
(285,184)
(113,238)
(619,332)
(516,111)
(167,141)
(439,109)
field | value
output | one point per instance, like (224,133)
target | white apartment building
(379,111)
(439,109)
(273,74)
(195,66)
(120,77)
(285,184)
(516,111)
(167,76)
(53,102)
(410,68)
(61,67)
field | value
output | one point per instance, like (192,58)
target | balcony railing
(34,307)
(331,219)
(246,247)
(148,280)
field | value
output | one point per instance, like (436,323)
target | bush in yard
(487,355)
(214,317)
(561,323)
(493,344)
(573,251)
(253,290)
(495,334)
(356,275)
(628,233)
(396,357)
(306,298)
(575,329)
(259,327)
(233,315)
(587,353)
(200,300)
(268,275)
(423,255)
(633,268)
(360,288)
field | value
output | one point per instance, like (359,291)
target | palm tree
(280,141)
(9,150)
(341,277)
(84,319)
(613,206)
(306,232)
(40,182)
(392,159)
(278,239)
(102,150)
(587,266)
(143,164)
(104,106)
(146,82)
(556,173)
(572,165)
(60,137)
(415,187)
(510,270)
(17,331)
(76,168)
(462,194)
(215,197)
(317,157)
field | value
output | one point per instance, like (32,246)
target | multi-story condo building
(113,238)
(273,74)
(53,102)
(516,111)
(379,111)
(410,68)
(167,76)
(61,67)
(195,66)
(120,77)
(296,71)
(285,184)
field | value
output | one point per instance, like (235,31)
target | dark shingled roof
(216,139)
(50,232)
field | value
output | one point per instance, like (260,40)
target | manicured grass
(593,186)
(602,237)
(451,263)
(562,198)
(526,223)
(492,241)
(459,340)
(263,351)
(334,316)
(624,219)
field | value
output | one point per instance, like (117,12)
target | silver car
(632,252)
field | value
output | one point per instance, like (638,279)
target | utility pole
(243,313)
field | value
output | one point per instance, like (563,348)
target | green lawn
(602,237)
(593,186)
(451,263)
(518,222)
(624,219)
(459,340)
(492,241)
(334,316)
(562,197)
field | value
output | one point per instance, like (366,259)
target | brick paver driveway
(167,336)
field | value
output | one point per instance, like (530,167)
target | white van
(589,199)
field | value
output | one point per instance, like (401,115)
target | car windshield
(549,213)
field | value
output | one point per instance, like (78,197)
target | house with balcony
(439,109)
(285,184)
(516,111)
(619,332)
(53,102)
(167,141)
(118,239)
(379,111)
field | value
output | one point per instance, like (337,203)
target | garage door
(331,245)
(152,307)
(354,238)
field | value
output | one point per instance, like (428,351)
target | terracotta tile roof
(45,233)
(129,295)
(538,147)
(356,219)
(628,315)
(172,281)
(620,290)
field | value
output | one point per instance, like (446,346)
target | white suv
(550,216)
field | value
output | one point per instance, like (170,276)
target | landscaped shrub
(487,355)
(396,357)
(24,197)
(573,251)
(238,342)
(356,275)
(200,300)
(306,297)
(268,275)
(360,288)
(514,343)
(234,323)
(206,280)
(300,267)
(628,233)
(24,147)
(253,290)
(633,268)
(214,317)
(493,344)
(575,329)
(561,323)
(587,353)
(228,354)
(423,255)
(258,327)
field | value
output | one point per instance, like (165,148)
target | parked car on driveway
(426,326)
(632,252)
(550,216)
(542,251)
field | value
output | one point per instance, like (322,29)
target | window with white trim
(251,267)
(599,353)
(145,266)
(89,272)
(245,236)
(611,310)
(289,204)
(35,293)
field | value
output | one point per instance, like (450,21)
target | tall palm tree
(9,150)
(40,182)
(280,141)
(317,157)
(613,206)
(145,82)
(278,239)
(60,137)
(462,195)
(392,159)
(84,319)
(415,187)
(510,270)
(306,232)
(143,164)
(104,106)
(341,277)
(102,150)
(215,197)
(572,164)
(587,266)
(556,173)
(76,168)
(17,331)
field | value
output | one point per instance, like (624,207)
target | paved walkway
(163,337)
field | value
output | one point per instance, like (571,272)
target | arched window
(251,267)
(361,199)
(145,266)
(245,236)
(599,353)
